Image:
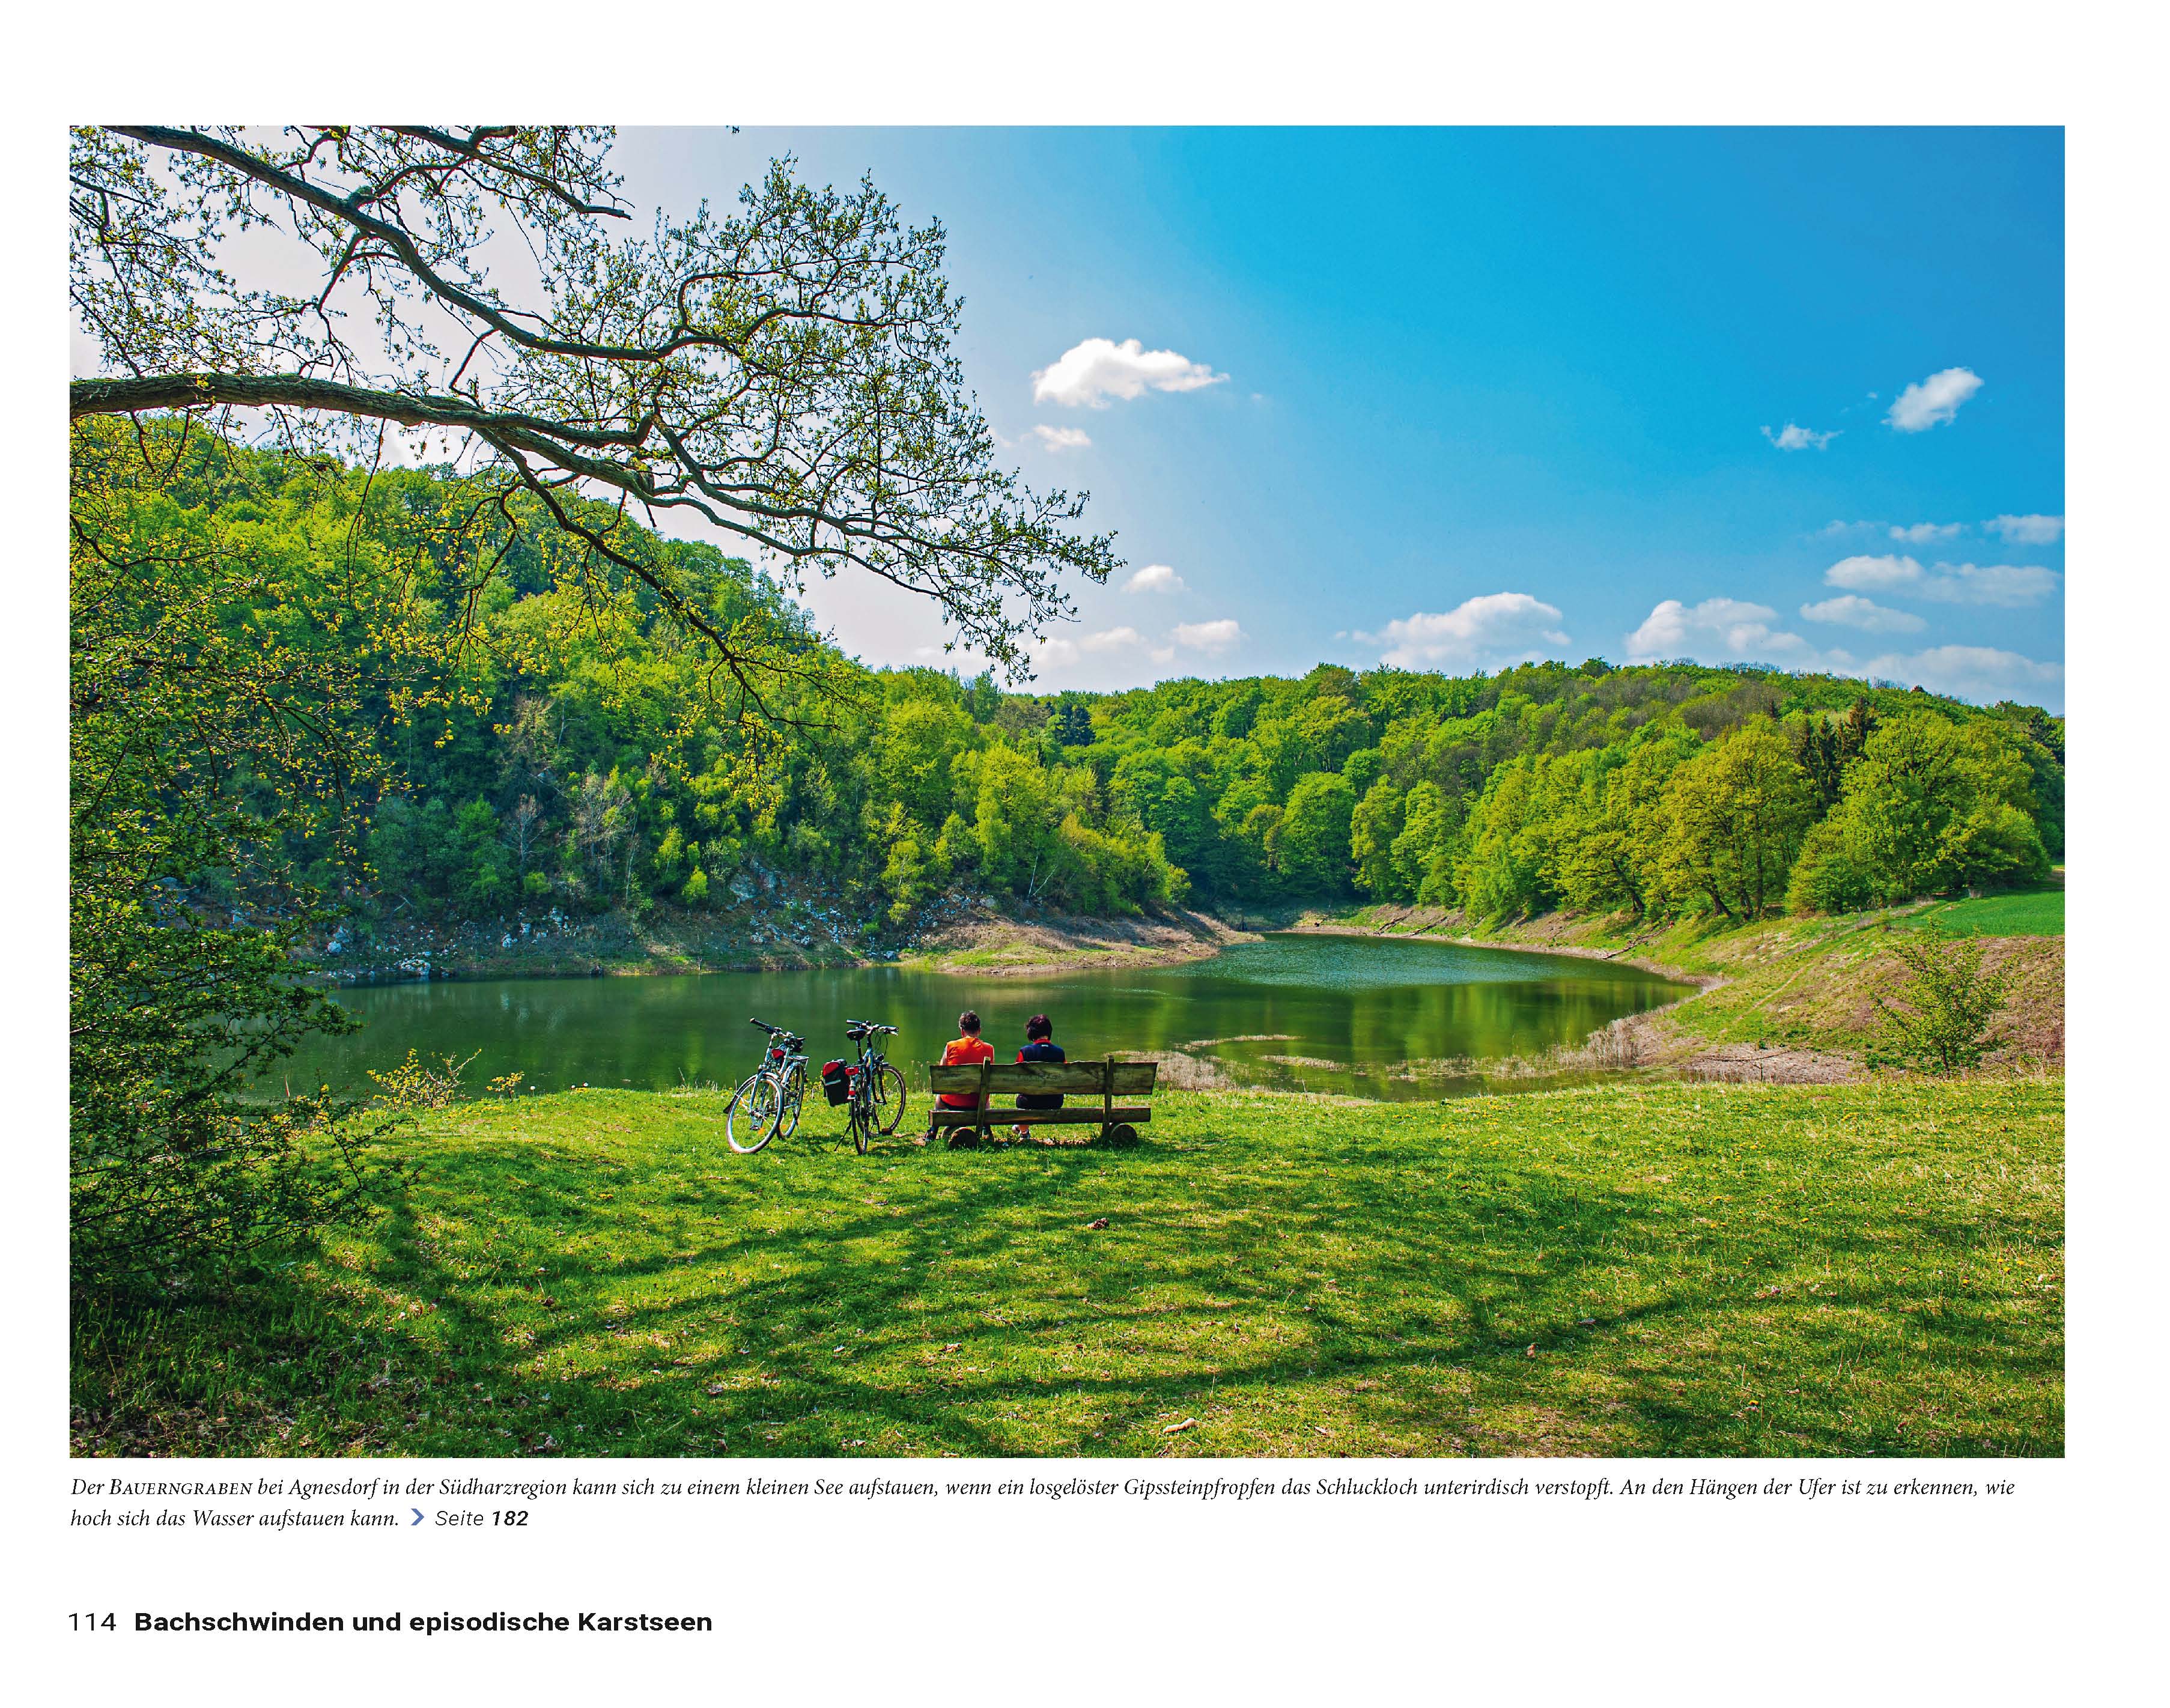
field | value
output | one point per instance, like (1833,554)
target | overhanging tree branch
(786,372)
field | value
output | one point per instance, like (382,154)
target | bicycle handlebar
(866,1025)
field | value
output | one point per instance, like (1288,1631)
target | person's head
(969,1024)
(1038,1026)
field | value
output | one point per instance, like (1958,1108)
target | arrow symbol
(417,1512)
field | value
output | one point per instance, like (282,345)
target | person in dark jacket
(1039,1045)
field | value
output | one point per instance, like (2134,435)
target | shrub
(1948,1003)
(415,1083)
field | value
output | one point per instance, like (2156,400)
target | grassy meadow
(1674,1268)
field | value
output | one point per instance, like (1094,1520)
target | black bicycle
(874,1085)
(769,1100)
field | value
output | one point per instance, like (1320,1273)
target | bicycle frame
(789,1065)
(783,1066)
(861,1116)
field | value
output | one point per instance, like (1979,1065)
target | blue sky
(1450,399)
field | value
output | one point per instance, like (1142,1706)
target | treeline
(1660,790)
(543,742)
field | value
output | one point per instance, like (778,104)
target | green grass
(1661,1269)
(2019,913)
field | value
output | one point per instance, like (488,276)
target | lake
(1361,1016)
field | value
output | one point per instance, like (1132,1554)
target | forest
(499,732)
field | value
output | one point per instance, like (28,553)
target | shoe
(1021,1131)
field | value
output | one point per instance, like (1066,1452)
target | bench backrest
(1107,1078)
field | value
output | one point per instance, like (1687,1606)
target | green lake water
(1359,1016)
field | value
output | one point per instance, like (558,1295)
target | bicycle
(768,1102)
(874,1100)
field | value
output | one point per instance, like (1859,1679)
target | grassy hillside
(2029,913)
(1680,1269)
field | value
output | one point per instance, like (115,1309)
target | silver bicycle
(769,1100)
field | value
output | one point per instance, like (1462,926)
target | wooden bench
(1100,1082)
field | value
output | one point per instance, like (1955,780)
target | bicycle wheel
(863,1122)
(750,1121)
(794,1096)
(889,1098)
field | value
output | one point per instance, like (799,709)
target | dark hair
(1040,1026)
(968,1021)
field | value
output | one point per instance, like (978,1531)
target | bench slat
(1005,1079)
(1093,1116)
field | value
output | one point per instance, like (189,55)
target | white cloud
(1730,630)
(1162,655)
(1487,629)
(1099,369)
(2030,531)
(1724,631)
(1873,574)
(1109,639)
(1926,533)
(1926,402)
(1834,528)
(1980,674)
(1062,438)
(1056,651)
(1154,578)
(1792,438)
(2008,584)
(1215,637)
(1851,611)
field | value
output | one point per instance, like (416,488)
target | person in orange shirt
(968,1049)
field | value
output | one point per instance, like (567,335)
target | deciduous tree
(1733,818)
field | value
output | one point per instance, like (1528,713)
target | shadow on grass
(1341,1294)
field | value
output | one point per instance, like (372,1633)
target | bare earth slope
(979,937)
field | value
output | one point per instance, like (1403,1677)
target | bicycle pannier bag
(836,1084)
